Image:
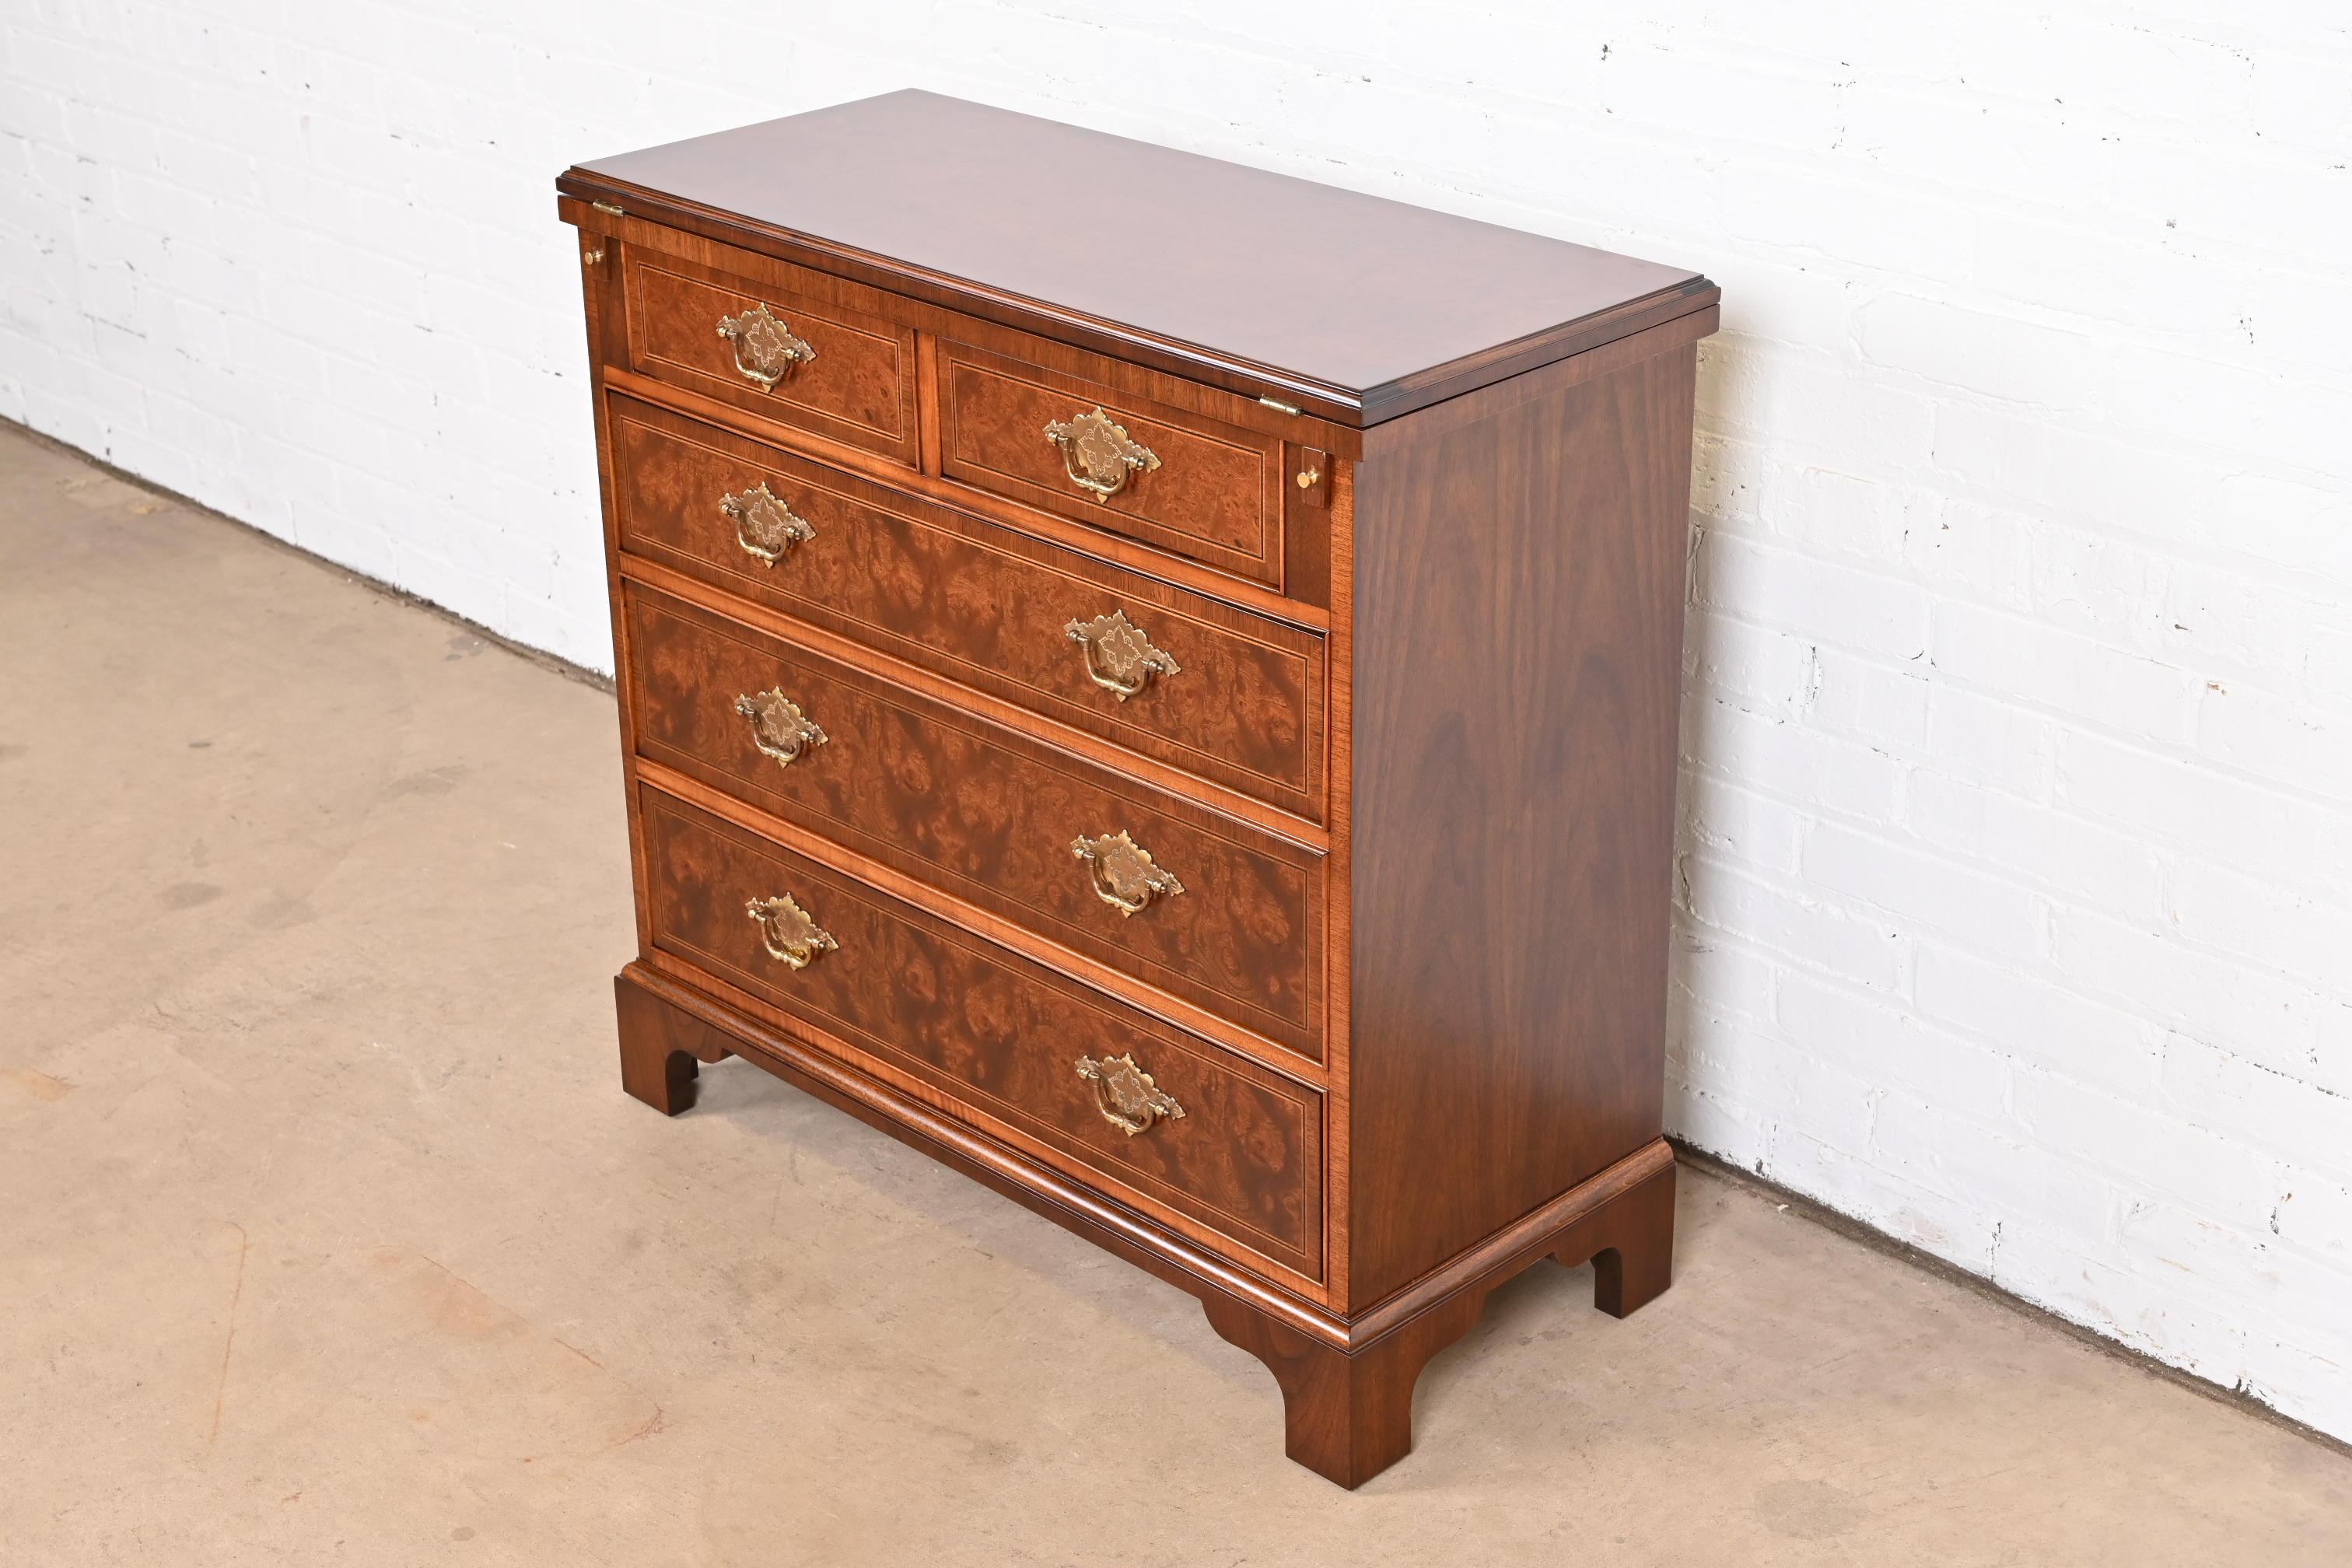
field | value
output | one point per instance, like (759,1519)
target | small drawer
(789,356)
(1231,697)
(1182,482)
(1139,881)
(1006,1046)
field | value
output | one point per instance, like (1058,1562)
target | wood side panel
(988,608)
(1337,942)
(1215,495)
(1517,638)
(987,814)
(859,389)
(997,1035)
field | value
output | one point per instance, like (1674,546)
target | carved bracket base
(660,1046)
(1348,1415)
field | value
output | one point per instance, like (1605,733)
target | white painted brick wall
(2017,807)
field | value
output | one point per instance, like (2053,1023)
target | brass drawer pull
(1125,877)
(765,349)
(1119,657)
(778,726)
(791,937)
(1125,1095)
(765,526)
(1098,456)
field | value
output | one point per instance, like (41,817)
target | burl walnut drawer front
(778,353)
(1148,885)
(1231,697)
(1010,1047)
(1182,482)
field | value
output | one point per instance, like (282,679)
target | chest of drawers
(1156,683)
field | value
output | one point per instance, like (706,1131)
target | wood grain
(985,607)
(986,814)
(1339,944)
(933,319)
(1515,707)
(1151,1001)
(1215,497)
(860,388)
(1210,268)
(1308,613)
(1000,1036)
(811,1061)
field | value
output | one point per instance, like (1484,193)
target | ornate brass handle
(1125,1095)
(779,728)
(791,937)
(765,349)
(1098,456)
(765,526)
(1125,877)
(1119,657)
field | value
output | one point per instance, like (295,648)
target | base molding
(1347,1412)
(1346,1382)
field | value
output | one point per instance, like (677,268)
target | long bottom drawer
(1215,1146)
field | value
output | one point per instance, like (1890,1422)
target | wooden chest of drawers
(1156,683)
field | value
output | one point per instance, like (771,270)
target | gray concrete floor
(329,1236)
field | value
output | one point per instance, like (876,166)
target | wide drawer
(1005,1044)
(1219,914)
(1231,697)
(1181,481)
(780,354)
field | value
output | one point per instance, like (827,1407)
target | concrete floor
(330,1235)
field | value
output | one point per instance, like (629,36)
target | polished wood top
(1362,307)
